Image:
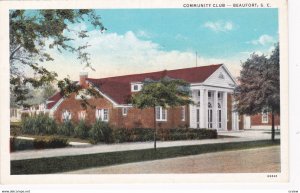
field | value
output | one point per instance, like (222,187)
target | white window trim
(182,115)
(262,117)
(81,115)
(138,86)
(107,117)
(100,115)
(66,116)
(161,113)
(125,111)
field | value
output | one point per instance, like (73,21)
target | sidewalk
(102,148)
(72,143)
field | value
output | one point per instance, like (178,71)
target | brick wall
(134,118)
(256,120)
(74,106)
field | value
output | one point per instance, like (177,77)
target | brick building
(261,121)
(211,90)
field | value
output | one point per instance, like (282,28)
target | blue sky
(143,40)
(185,29)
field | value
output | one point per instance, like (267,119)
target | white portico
(213,102)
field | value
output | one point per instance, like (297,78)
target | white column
(224,110)
(203,105)
(198,109)
(192,108)
(235,120)
(215,110)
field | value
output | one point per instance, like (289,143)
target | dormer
(136,86)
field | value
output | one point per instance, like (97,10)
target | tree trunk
(273,126)
(154,129)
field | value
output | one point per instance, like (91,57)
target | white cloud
(115,54)
(143,34)
(267,51)
(219,26)
(263,40)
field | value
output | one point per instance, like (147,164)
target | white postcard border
(136,178)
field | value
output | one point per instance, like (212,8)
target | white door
(247,122)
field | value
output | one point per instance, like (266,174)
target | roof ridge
(161,71)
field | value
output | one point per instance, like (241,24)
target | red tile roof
(118,88)
(53,100)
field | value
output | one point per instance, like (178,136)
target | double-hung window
(102,114)
(66,116)
(161,114)
(81,115)
(264,117)
(124,111)
(182,115)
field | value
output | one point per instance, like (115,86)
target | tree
(47,91)
(165,93)
(36,96)
(259,88)
(32,34)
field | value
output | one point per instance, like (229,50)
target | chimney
(82,78)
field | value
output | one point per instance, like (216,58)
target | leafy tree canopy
(259,84)
(32,34)
(259,88)
(165,92)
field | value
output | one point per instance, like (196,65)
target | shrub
(66,128)
(142,134)
(122,135)
(24,115)
(101,131)
(38,125)
(49,142)
(82,130)
(27,125)
(146,134)
(38,143)
(132,135)
(20,144)
(50,125)
(184,134)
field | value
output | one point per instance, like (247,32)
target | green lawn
(69,163)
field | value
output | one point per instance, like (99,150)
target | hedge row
(102,132)
(38,143)
(147,134)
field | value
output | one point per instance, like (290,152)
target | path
(258,160)
(249,135)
